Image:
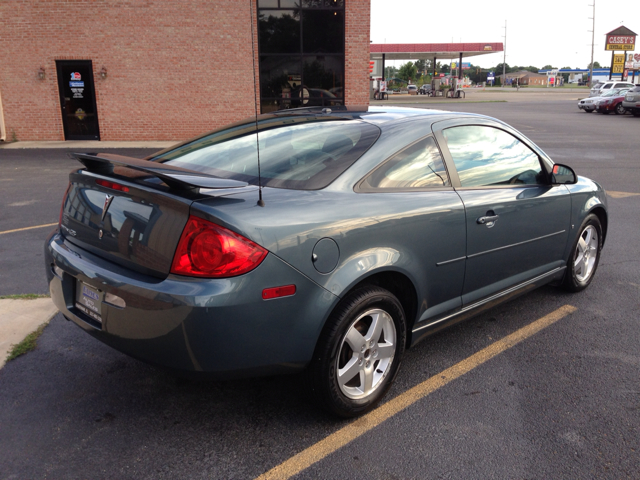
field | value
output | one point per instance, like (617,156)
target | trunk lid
(132,212)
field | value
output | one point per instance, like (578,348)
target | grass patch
(24,296)
(26,345)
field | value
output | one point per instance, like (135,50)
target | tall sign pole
(504,58)
(593,33)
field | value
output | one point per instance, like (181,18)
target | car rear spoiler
(175,177)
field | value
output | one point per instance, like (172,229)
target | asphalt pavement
(562,403)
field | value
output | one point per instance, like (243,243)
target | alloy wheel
(366,354)
(586,253)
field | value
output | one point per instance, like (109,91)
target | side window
(607,86)
(418,166)
(487,156)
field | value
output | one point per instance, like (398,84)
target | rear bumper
(221,327)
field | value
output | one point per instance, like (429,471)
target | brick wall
(357,33)
(175,69)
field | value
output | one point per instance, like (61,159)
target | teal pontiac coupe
(323,240)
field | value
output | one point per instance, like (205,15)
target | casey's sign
(621,42)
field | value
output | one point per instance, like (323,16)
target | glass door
(78,100)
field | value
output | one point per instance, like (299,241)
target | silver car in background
(631,101)
(590,104)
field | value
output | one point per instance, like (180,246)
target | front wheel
(585,255)
(359,352)
(620,110)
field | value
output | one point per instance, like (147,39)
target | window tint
(487,156)
(279,31)
(419,166)
(304,153)
(301,53)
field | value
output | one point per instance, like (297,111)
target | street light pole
(593,33)
(504,58)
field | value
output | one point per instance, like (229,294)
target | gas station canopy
(417,51)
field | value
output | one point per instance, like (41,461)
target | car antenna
(255,104)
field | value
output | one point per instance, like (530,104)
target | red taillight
(209,250)
(112,185)
(64,198)
(277,292)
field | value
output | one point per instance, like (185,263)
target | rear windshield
(295,153)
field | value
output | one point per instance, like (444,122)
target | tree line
(420,71)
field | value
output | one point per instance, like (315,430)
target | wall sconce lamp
(42,74)
(103,73)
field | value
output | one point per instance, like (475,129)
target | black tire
(351,315)
(588,111)
(581,268)
(620,110)
(636,113)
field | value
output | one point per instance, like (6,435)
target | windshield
(615,92)
(304,153)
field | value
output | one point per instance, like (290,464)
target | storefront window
(301,46)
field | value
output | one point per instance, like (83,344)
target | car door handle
(487,219)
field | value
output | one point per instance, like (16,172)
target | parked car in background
(412,89)
(425,89)
(599,89)
(631,101)
(612,103)
(353,235)
(590,104)
(302,96)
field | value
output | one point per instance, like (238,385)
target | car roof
(378,115)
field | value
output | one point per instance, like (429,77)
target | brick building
(169,70)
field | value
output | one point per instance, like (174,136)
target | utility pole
(593,33)
(504,58)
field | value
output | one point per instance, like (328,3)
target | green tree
(421,65)
(390,72)
(595,65)
(547,67)
(498,69)
(407,71)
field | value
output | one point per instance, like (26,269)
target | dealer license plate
(88,301)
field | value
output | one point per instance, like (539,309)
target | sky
(539,33)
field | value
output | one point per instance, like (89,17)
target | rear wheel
(359,352)
(620,110)
(585,255)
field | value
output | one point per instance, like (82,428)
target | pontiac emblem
(107,202)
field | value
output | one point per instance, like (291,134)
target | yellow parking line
(359,427)
(621,194)
(28,228)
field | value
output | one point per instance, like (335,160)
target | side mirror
(561,175)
